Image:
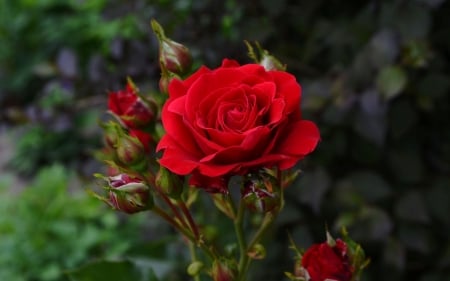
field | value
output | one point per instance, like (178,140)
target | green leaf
(111,270)
(391,81)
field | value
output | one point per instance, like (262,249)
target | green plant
(47,228)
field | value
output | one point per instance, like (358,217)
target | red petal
(301,139)
(288,89)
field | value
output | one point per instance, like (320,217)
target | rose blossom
(325,262)
(233,119)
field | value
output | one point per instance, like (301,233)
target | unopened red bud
(260,193)
(224,270)
(173,56)
(129,195)
(131,109)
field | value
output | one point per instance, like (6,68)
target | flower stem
(194,258)
(265,225)
(173,222)
(188,216)
(238,227)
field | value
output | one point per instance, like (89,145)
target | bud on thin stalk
(129,195)
(260,193)
(131,153)
(173,56)
(224,270)
(264,58)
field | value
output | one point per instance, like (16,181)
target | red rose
(130,108)
(233,119)
(323,262)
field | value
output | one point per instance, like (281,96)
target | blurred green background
(375,78)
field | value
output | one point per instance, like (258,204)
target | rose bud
(170,184)
(132,110)
(130,152)
(269,62)
(173,56)
(264,58)
(260,193)
(144,138)
(195,268)
(224,270)
(111,134)
(165,80)
(327,262)
(129,195)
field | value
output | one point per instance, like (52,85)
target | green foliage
(47,228)
(118,271)
(48,27)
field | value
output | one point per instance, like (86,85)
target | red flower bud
(173,56)
(260,193)
(328,262)
(132,110)
(224,270)
(129,195)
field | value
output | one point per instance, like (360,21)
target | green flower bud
(170,184)
(195,268)
(257,252)
(130,152)
(112,132)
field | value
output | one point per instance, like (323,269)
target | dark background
(375,78)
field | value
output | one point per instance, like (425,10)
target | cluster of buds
(124,150)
